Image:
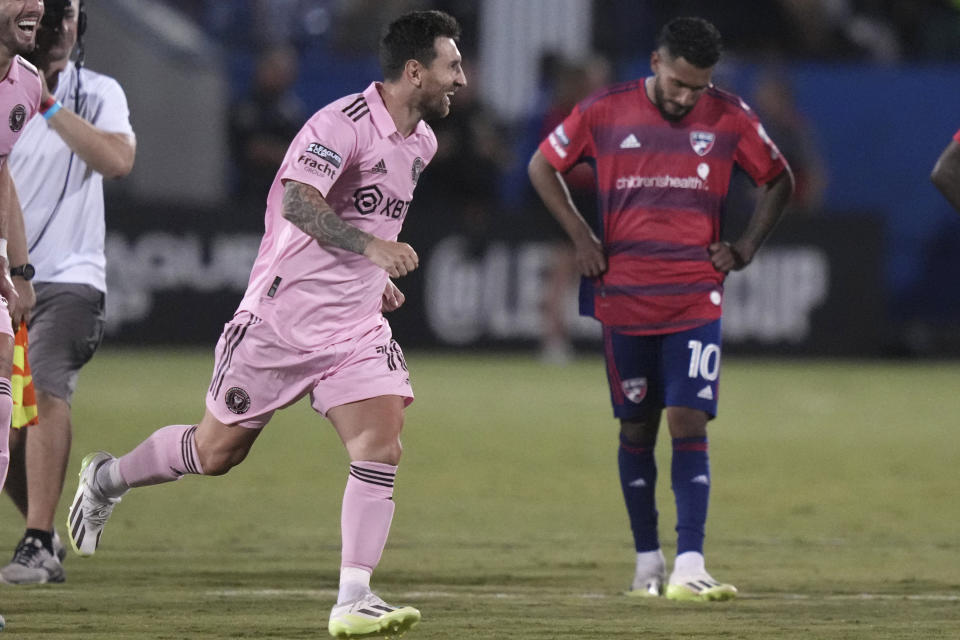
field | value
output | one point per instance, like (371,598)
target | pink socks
(367,513)
(167,455)
(6,414)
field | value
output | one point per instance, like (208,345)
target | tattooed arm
(305,208)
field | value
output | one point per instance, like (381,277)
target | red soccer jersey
(661,187)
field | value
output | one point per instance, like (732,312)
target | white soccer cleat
(699,587)
(647,586)
(90,509)
(650,578)
(369,617)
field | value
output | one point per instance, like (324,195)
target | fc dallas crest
(702,142)
(635,389)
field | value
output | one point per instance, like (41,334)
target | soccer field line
(326,594)
(539,594)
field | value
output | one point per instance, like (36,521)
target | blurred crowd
(884,30)
(880,30)
(286,35)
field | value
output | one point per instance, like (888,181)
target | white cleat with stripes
(370,617)
(90,509)
(699,587)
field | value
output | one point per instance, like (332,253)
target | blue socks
(638,479)
(690,474)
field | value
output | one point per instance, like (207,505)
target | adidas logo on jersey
(630,142)
(380,167)
(706,393)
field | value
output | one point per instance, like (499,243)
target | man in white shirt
(58,166)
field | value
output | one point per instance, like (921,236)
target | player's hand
(590,257)
(393,298)
(727,257)
(44,96)
(28,299)
(396,258)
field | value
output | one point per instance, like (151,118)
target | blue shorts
(648,373)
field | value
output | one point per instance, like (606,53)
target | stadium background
(834,508)
(868,269)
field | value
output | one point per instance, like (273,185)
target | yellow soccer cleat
(370,617)
(652,588)
(648,586)
(650,576)
(699,587)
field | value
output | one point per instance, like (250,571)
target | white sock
(650,562)
(109,481)
(688,563)
(354,584)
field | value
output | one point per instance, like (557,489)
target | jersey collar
(381,117)
(13,73)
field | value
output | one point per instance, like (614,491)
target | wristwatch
(25,271)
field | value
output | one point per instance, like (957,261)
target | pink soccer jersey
(20,94)
(352,153)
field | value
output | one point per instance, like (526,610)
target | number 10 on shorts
(704,360)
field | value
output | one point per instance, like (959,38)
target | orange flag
(24,396)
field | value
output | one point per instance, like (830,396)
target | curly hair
(694,39)
(411,37)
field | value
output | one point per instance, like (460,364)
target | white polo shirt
(62,197)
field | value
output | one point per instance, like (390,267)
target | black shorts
(65,329)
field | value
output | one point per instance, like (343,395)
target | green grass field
(834,509)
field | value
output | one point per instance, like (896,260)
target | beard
(18,46)
(25,50)
(435,109)
(661,101)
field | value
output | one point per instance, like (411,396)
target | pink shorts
(255,372)
(6,325)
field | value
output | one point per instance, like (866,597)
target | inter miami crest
(18,115)
(702,142)
(417,169)
(635,389)
(237,400)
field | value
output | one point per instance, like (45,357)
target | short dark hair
(411,37)
(694,39)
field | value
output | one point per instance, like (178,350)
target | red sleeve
(566,145)
(956,136)
(756,153)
